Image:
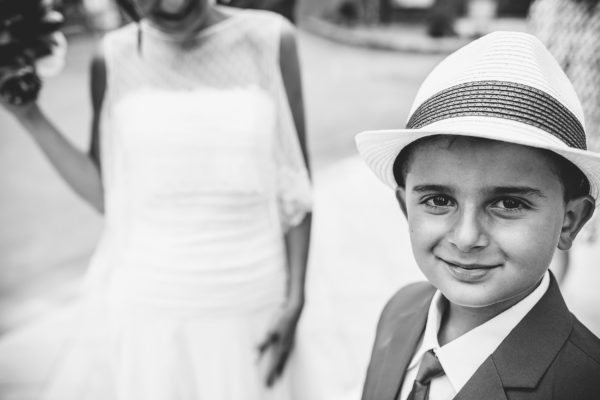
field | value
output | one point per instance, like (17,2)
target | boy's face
(485,218)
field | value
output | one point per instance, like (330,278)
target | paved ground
(360,253)
(410,37)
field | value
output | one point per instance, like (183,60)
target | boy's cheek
(425,228)
(535,241)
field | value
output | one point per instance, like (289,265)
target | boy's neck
(458,320)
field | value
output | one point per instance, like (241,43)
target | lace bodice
(227,78)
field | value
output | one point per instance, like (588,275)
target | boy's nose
(468,233)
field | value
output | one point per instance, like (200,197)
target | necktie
(430,368)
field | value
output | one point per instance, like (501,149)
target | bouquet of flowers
(29,42)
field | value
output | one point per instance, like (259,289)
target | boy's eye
(438,201)
(509,204)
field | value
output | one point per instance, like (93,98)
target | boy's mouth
(470,266)
(469,272)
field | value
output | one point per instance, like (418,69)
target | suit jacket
(548,355)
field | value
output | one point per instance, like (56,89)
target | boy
(492,175)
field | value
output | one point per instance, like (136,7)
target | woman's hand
(278,344)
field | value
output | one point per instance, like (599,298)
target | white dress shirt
(461,357)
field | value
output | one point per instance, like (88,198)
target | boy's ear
(577,212)
(401,197)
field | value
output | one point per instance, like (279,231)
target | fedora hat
(504,86)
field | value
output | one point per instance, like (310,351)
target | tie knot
(430,368)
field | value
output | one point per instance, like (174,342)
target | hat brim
(380,148)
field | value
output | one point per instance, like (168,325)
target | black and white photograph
(299,199)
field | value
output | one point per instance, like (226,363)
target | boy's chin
(482,298)
(475,302)
(474,296)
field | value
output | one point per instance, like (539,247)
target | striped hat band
(502,99)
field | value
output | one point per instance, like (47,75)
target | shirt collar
(462,357)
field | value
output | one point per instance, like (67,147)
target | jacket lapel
(395,346)
(526,353)
(534,343)
(485,384)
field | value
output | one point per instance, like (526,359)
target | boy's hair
(574,182)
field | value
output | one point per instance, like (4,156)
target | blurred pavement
(409,37)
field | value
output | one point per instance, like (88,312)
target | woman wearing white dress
(198,163)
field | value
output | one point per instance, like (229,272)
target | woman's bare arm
(281,337)
(80,170)
(297,238)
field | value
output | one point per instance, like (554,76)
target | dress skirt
(131,354)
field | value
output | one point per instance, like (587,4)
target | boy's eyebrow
(495,191)
(522,190)
(431,188)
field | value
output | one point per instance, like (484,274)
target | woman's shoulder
(124,34)
(128,29)
(123,40)
(264,30)
(259,19)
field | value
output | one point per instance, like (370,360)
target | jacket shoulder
(409,296)
(586,341)
(399,328)
(406,299)
(577,368)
